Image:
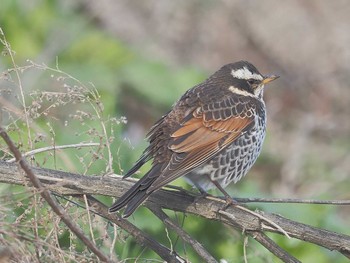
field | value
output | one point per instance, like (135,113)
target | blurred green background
(136,58)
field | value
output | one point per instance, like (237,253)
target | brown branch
(51,201)
(201,251)
(273,247)
(177,200)
(140,237)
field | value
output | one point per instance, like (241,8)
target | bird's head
(245,79)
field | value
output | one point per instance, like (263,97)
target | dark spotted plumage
(213,133)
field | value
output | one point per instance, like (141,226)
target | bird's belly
(232,163)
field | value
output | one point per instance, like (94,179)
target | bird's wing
(202,134)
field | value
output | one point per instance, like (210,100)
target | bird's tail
(134,196)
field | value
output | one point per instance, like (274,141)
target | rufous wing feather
(196,141)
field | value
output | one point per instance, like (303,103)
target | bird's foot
(230,202)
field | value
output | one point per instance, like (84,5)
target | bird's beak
(269,78)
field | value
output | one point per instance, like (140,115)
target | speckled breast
(234,161)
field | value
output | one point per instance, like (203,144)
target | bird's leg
(202,191)
(228,198)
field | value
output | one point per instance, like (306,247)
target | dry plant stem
(273,247)
(201,251)
(56,147)
(273,224)
(264,240)
(8,48)
(74,184)
(89,219)
(245,243)
(51,201)
(140,237)
(93,104)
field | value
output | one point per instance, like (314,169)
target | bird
(212,136)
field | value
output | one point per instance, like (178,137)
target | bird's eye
(251,81)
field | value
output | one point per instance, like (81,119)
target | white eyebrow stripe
(240,92)
(244,73)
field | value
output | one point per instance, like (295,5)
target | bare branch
(177,200)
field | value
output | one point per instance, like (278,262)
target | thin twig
(55,147)
(245,244)
(50,200)
(268,200)
(89,219)
(231,217)
(266,220)
(292,201)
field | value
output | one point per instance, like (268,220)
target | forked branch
(243,220)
